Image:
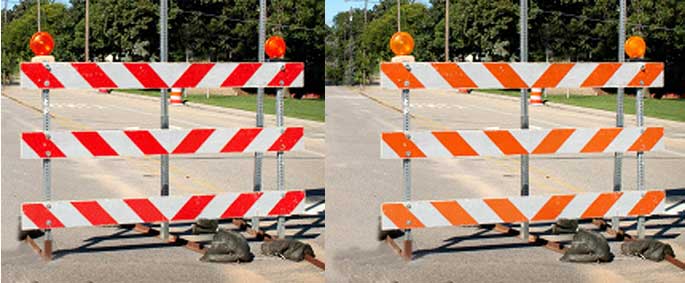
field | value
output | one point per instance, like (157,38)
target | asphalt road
(118,255)
(357,181)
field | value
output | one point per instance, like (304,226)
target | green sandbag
(287,248)
(588,246)
(647,248)
(228,246)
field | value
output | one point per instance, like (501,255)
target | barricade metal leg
(639,109)
(524,110)
(280,178)
(47,169)
(406,172)
(618,156)
(164,159)
(258,156)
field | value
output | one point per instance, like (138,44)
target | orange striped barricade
(536,97)
(459,212)
(408,145)
(175,96)
(48,145)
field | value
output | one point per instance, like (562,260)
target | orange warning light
(275,47)
(635,47)
(401,43)
(41,43)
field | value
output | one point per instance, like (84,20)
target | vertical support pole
(280,174)
(618,156)
(164,158)
(47,168)
(406,170)
(524,110)
(447,30)
(257,181)
(639,109)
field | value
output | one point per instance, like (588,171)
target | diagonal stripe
(453,142)
(241,74)
(146,75)
(505,75)
(145,210)
(601,140)
(553,208)
(145,142)
(193,75)
(241,205)
(287,139)
(193,207)
(38,74)
(41,145)
(553,141)
(601,205)
(288,74)
(93,212)
(454,213)
(193,141)
(241,140)
(553,75)
(600,75)
(399,214)
(398,74)
(506,142)
(647,76)
(40,215)
(648,203)
(647,140)
(454,75)
(403,147)
(506,210)
(94,75)
(288,203)
(95,143)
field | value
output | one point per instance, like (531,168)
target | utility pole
(447,30)
(38,15)
(87,32)
(398,15)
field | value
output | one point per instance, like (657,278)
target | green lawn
(669,109)
(304,109)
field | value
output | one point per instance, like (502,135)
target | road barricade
(406,145)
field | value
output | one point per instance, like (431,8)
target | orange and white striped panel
(423,214)
(442,75)
(518,141)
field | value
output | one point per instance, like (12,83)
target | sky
(333,7)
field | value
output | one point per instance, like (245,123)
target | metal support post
(47,169)
(639,109)
(406,171)
(525,184)
(257,181)
(280,174)
(164,158)
(618,156)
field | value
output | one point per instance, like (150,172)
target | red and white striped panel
(422,214)
(441,75)
(518,141)
(73,144)
(160,75)
(82,213)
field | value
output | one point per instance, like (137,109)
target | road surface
(357,181)
(118,255)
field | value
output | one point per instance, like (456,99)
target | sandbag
(228,246)
(205,226)
(647,248)
(565,226)
(588,246)
(287,248)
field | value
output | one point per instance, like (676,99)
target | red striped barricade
(88,213)
(58,75)
(112,143)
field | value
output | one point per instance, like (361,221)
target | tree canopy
(488,30)
(203,30)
